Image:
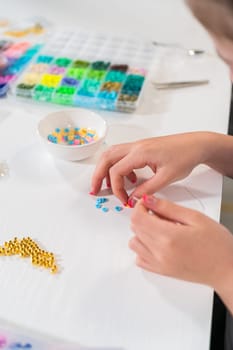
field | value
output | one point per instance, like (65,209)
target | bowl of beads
(73,134)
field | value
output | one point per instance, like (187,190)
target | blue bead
(105,210)
(98,206)
(118,208)
(3,89)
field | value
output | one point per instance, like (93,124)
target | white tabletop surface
(101,299)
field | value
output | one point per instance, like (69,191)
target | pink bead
(6,79)
(2,341)
(77,142)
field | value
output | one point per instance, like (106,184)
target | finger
(132,177)
(122,168)
(107,160)
(171,211)
(144,264)
(152,185)
(150,228)
(108,181)
(139,248)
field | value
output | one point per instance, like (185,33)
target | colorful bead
(100,65)
(56,70)
(31,78)
(76,73)
(44,59)
(119,67)
(96,74)
(64,94)
(80,64)
(73,136)
(38,68)
(3,89)
(42,93)
(28,248)
(51,80)
(101,200)
(116,76)
(118,208)
(62,61)
(67,81)
(105,209)
(3,341)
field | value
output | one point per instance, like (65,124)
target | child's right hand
(183,243)
(171,158)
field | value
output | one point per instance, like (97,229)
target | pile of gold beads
(27,248)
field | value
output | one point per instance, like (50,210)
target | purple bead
(56,70)
(70,81)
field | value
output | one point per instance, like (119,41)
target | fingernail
(108,185)
(126,205)
(92,193)
(132,201)
(134,181)
(148,199)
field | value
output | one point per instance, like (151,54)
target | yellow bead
(70,137)
(54,269)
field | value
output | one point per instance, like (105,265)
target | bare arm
(219,153)
(171,158)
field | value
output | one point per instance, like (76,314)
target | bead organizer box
(88,70)
(14,56)
(15,337)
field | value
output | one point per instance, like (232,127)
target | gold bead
(54,269)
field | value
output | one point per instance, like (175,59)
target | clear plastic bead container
(89,70)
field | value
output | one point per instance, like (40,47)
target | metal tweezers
(179,84)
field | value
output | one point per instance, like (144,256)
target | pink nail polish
(134,181)
(130,203)
(149,199)
(126,205)
(92,193)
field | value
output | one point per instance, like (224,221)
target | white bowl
(79,117)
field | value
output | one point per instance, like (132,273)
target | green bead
(80,64)
(63,61)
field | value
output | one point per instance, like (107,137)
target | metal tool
(190,52)
(179,84)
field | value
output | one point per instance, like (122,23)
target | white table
(101,299)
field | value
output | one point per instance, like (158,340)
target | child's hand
(170,157)
(181,243)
